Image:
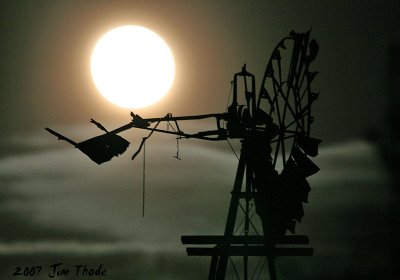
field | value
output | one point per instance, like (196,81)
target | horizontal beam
(203,135)
(248,251)
(250,239)
(170,118)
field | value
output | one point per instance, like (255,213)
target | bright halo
(132,66)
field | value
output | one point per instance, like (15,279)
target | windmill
(270,187)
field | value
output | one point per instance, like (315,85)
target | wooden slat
(248,251)
(251,239)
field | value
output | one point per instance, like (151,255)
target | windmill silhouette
(270,187)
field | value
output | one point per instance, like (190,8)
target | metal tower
(274,127)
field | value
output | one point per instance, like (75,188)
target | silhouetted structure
(274,128)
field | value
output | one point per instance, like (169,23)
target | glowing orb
(132,66)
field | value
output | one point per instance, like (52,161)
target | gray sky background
(58,206)
(46,46)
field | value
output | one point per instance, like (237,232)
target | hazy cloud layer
(58,204)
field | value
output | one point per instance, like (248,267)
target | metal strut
(144,179)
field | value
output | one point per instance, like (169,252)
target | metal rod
(271,268)
(187,118)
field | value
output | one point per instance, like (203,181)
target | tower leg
(219,261)
(213,267)
(233,207)
(271,268)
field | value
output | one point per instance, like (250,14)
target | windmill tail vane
(274,127)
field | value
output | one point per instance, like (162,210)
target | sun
(132,66)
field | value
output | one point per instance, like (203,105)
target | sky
(57,206)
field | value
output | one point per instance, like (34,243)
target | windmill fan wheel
(286,96)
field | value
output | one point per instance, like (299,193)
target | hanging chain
(177,149)
(144,179)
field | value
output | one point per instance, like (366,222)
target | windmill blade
(303,163)
(309,145)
